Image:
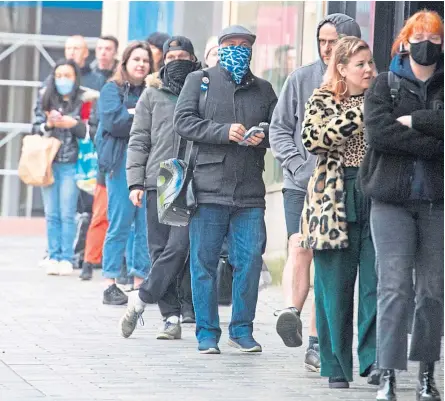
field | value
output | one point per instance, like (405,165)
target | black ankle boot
(87,271)
(387,389)
(426,386)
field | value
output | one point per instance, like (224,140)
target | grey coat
(226,173)
(152,138)
(285,130)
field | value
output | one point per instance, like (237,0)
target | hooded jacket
(404,163)
(152,137)
(285,129)
(226,173)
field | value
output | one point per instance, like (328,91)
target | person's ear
(341,68)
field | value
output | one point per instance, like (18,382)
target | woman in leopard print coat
(335,218)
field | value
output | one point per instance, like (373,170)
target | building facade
(285,40)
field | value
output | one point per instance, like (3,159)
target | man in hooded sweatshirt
(153,140)
(298,165)
(228,184)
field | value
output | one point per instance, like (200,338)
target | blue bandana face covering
(64,86)
(236,60)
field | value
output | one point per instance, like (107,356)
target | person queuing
(335,218)
(403,174)
(105,63)
(298,165)
(229,185)
(152,140)
(156,42)
(117,101)
(58,115)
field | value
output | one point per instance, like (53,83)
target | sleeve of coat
(188,122)
(114,116)
(385,134)
(430,122)
(282,126)
(39,114)
(323,132)
(272,97)
(139,145)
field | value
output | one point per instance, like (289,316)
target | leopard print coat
(327,126)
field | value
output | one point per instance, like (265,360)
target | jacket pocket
(209,170)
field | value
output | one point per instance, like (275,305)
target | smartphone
(252,131)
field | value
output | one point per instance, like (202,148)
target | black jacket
(68,152)
(226,173)
(395,150)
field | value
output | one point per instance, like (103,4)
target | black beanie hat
(157,39)
(183,43)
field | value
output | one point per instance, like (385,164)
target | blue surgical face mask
(64,86)
(236,60)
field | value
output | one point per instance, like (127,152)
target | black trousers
(407,237)
(169,251)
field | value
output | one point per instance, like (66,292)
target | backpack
(394,87)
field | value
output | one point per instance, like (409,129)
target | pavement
(59,342)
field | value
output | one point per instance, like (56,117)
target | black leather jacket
(69,149)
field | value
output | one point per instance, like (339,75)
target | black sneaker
(114,296)
(87,271)
(338,382)
(289,327)
(312,359)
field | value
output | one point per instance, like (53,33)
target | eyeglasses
(324,42)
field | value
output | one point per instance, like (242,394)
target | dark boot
(87,271)
(387,389)
(373,374)
(426,386)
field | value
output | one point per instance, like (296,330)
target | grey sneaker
(312,359)
(289,327)
(171,329)
(135,309)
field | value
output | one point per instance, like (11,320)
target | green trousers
(335,276)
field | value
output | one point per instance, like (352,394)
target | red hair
(422,21)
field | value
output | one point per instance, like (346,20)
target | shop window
(285,40)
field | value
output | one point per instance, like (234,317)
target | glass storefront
(285,40)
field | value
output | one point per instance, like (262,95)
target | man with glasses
(298,165)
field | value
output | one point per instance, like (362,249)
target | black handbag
(176,199)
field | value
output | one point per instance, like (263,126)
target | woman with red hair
(403,174)
(335,218)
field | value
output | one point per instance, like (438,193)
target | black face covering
(174,73)
(425,53)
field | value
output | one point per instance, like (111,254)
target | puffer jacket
(404,163)
(68,152)
(152,137)
(225,172)
(113,131)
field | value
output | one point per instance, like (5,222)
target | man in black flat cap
(229,185)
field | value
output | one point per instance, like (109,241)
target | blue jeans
(60,202)
(119,238)
(246,235)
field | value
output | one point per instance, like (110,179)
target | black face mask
(425,53)
(174,73)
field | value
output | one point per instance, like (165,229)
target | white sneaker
(135,309)
(43,262)
(65,268)
(52,267)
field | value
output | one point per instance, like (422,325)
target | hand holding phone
(251,132)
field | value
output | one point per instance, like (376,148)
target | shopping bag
(35,164)
(86,167)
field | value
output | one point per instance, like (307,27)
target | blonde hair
(346,47)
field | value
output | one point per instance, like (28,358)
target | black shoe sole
(289,328)
(85,277)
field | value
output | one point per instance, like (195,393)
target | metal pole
(11,49)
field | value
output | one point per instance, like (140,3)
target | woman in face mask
(59,117)
(116,109)
(403,174)
(153,140)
